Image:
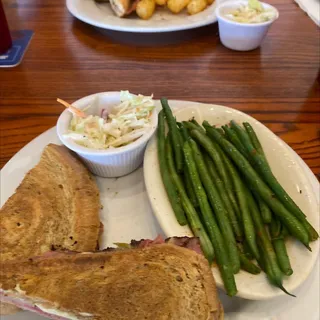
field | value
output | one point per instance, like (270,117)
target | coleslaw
(253,12)
(125,123)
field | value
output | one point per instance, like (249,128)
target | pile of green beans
(219,182)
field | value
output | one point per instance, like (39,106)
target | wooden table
(277,84)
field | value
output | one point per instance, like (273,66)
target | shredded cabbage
(126,122)
(251,13)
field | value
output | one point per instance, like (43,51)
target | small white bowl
(108,163)
(241,36)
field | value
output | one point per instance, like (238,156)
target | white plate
(286,167)
(101,15)
(127,215)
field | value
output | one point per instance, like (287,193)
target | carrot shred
(72,109)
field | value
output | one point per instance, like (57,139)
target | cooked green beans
(224,196)
(170,189)
(248,266)
(215,156)
(233,138)
(192,126)
(293,224)
(218,207)
(254,138)
(211,224)
(190,192)
(247,223)
(177,147)
(184,135)
(239,188)
(220,183)
(279,245)
(192,216)
(265,210)
(211,149)
(262,165)
(266,263)
(265,243)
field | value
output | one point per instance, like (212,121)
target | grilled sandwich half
(56,206)
(154,282)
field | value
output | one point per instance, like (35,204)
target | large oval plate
(101,15)
(287,167)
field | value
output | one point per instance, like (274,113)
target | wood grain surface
(277,84)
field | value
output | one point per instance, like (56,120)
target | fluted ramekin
(115,162)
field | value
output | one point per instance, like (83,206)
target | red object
(5,37)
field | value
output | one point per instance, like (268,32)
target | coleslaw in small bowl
(123,124)
(109,130)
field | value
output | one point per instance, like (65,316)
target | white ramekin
(108,163)
(241,36)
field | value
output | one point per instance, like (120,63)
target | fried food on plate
(161,2)
(196,6)
(145,9)
(176,6)
(123,7)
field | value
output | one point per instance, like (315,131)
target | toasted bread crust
(162,282)
(56,206)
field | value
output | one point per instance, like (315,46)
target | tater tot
(145,9)
(176,6)
(196,6)
(161,2)
(209,2)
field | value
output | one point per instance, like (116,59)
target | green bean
(264,169)
(240,191)
(215,156)
(265,210)
(266,262)
(233,138)
(280,246)
(186,177)
(293,224)
(282,256)
(220,131)
(192,216)
(275,228)
(211,224)
(184,132)
(177,148)
(256,143)
(272,268)
(284,232)
(192,126)
(218,207)
(197,123)
(254,138)
(247,222)
(248,266)
(167,182)
(190,192)
(211,148)
(246,250)
(224,196)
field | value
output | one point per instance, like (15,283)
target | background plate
(102,16)
(286,167)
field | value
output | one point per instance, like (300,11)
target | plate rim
(310,177)
(162,29)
